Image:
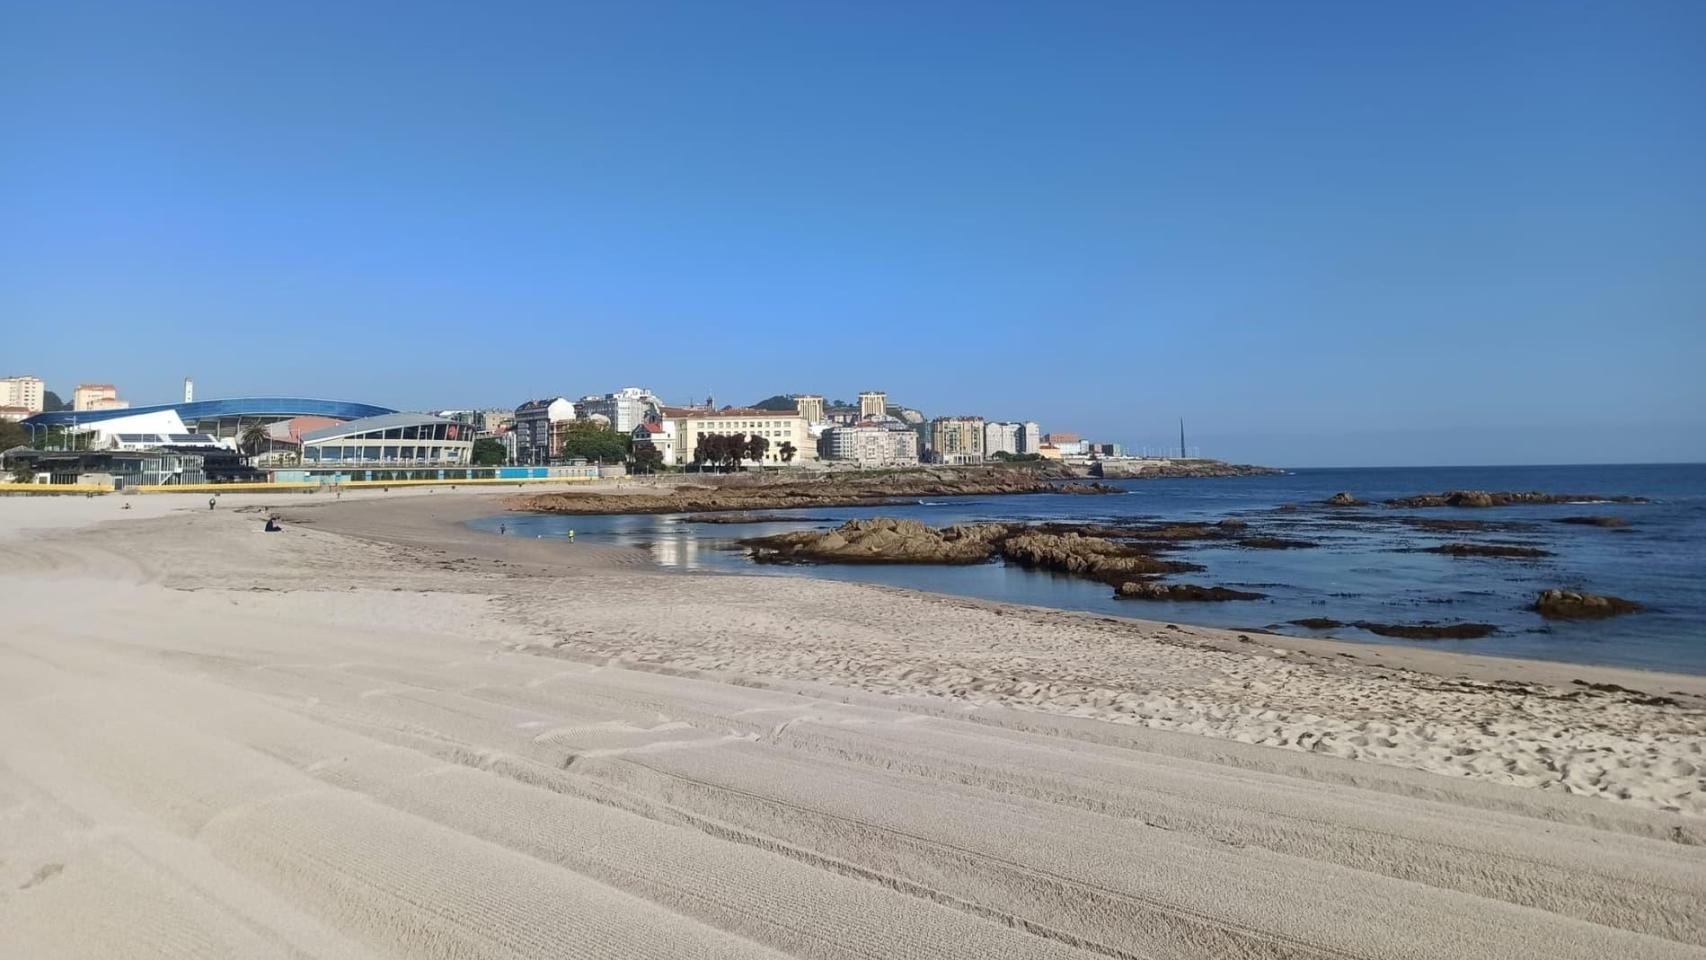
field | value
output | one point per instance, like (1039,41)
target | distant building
(406,445)
(810,406)
(1030,437)
(871,443)
(96,396)
(14,414)
(1106,450)
(777,426)
(116,469)
(536,433)
(660,434)
(1069,444)
(21,392)
(873,405)
(1000,437)
(623,410)
(957,440)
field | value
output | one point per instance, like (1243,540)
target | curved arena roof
(279,407)
(370,424)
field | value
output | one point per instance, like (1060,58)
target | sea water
(1365,567)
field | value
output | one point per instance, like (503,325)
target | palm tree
(252,437)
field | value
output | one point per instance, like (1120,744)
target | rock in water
(1574,605)
(1610,522)
(1343,499)
(1194,592)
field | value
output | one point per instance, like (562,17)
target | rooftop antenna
(1182,439)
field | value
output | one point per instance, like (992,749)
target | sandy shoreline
(381,733)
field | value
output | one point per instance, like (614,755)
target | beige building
(872,443)
(810,406)
(689,424)
(97,396)
(873,405)
(957,440)
(21,392)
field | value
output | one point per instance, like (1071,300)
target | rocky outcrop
(1483,498)
(1342,499)
(1602,521)
(1575,605)
(880,540)
(825,490)
(1180,592)
(1488,550)
(1091,557)
(1426,630)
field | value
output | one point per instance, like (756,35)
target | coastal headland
(380,732)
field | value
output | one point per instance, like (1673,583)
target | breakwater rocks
(827,490)
(1505,498)
(1574,605)
(1172,469)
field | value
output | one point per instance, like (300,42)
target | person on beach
(272,525)
(211,501)
(571,536)
(502,529)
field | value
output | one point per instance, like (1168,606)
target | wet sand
(380,733)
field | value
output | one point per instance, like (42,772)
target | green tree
(488,452)
(23,473)
(786,451)
(756,448)
(647,458)
(253,437)
(586,440)
(12,435)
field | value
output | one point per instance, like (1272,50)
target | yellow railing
(47,489)
(313,485)
(50,488)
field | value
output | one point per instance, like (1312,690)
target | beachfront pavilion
(392,446)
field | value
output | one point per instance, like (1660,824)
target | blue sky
(1324,233)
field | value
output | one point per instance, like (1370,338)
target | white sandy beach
(379,734)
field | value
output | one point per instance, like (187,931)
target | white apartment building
(21,392)
(872,443)
(536,436)
(1030,437)
(689,424)
(810,406)
(957,440)
(1001,437)
(625,409)
(97,396)
(873,405)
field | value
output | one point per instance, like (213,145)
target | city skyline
(1374,237)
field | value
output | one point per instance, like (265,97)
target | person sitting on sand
(272,525)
